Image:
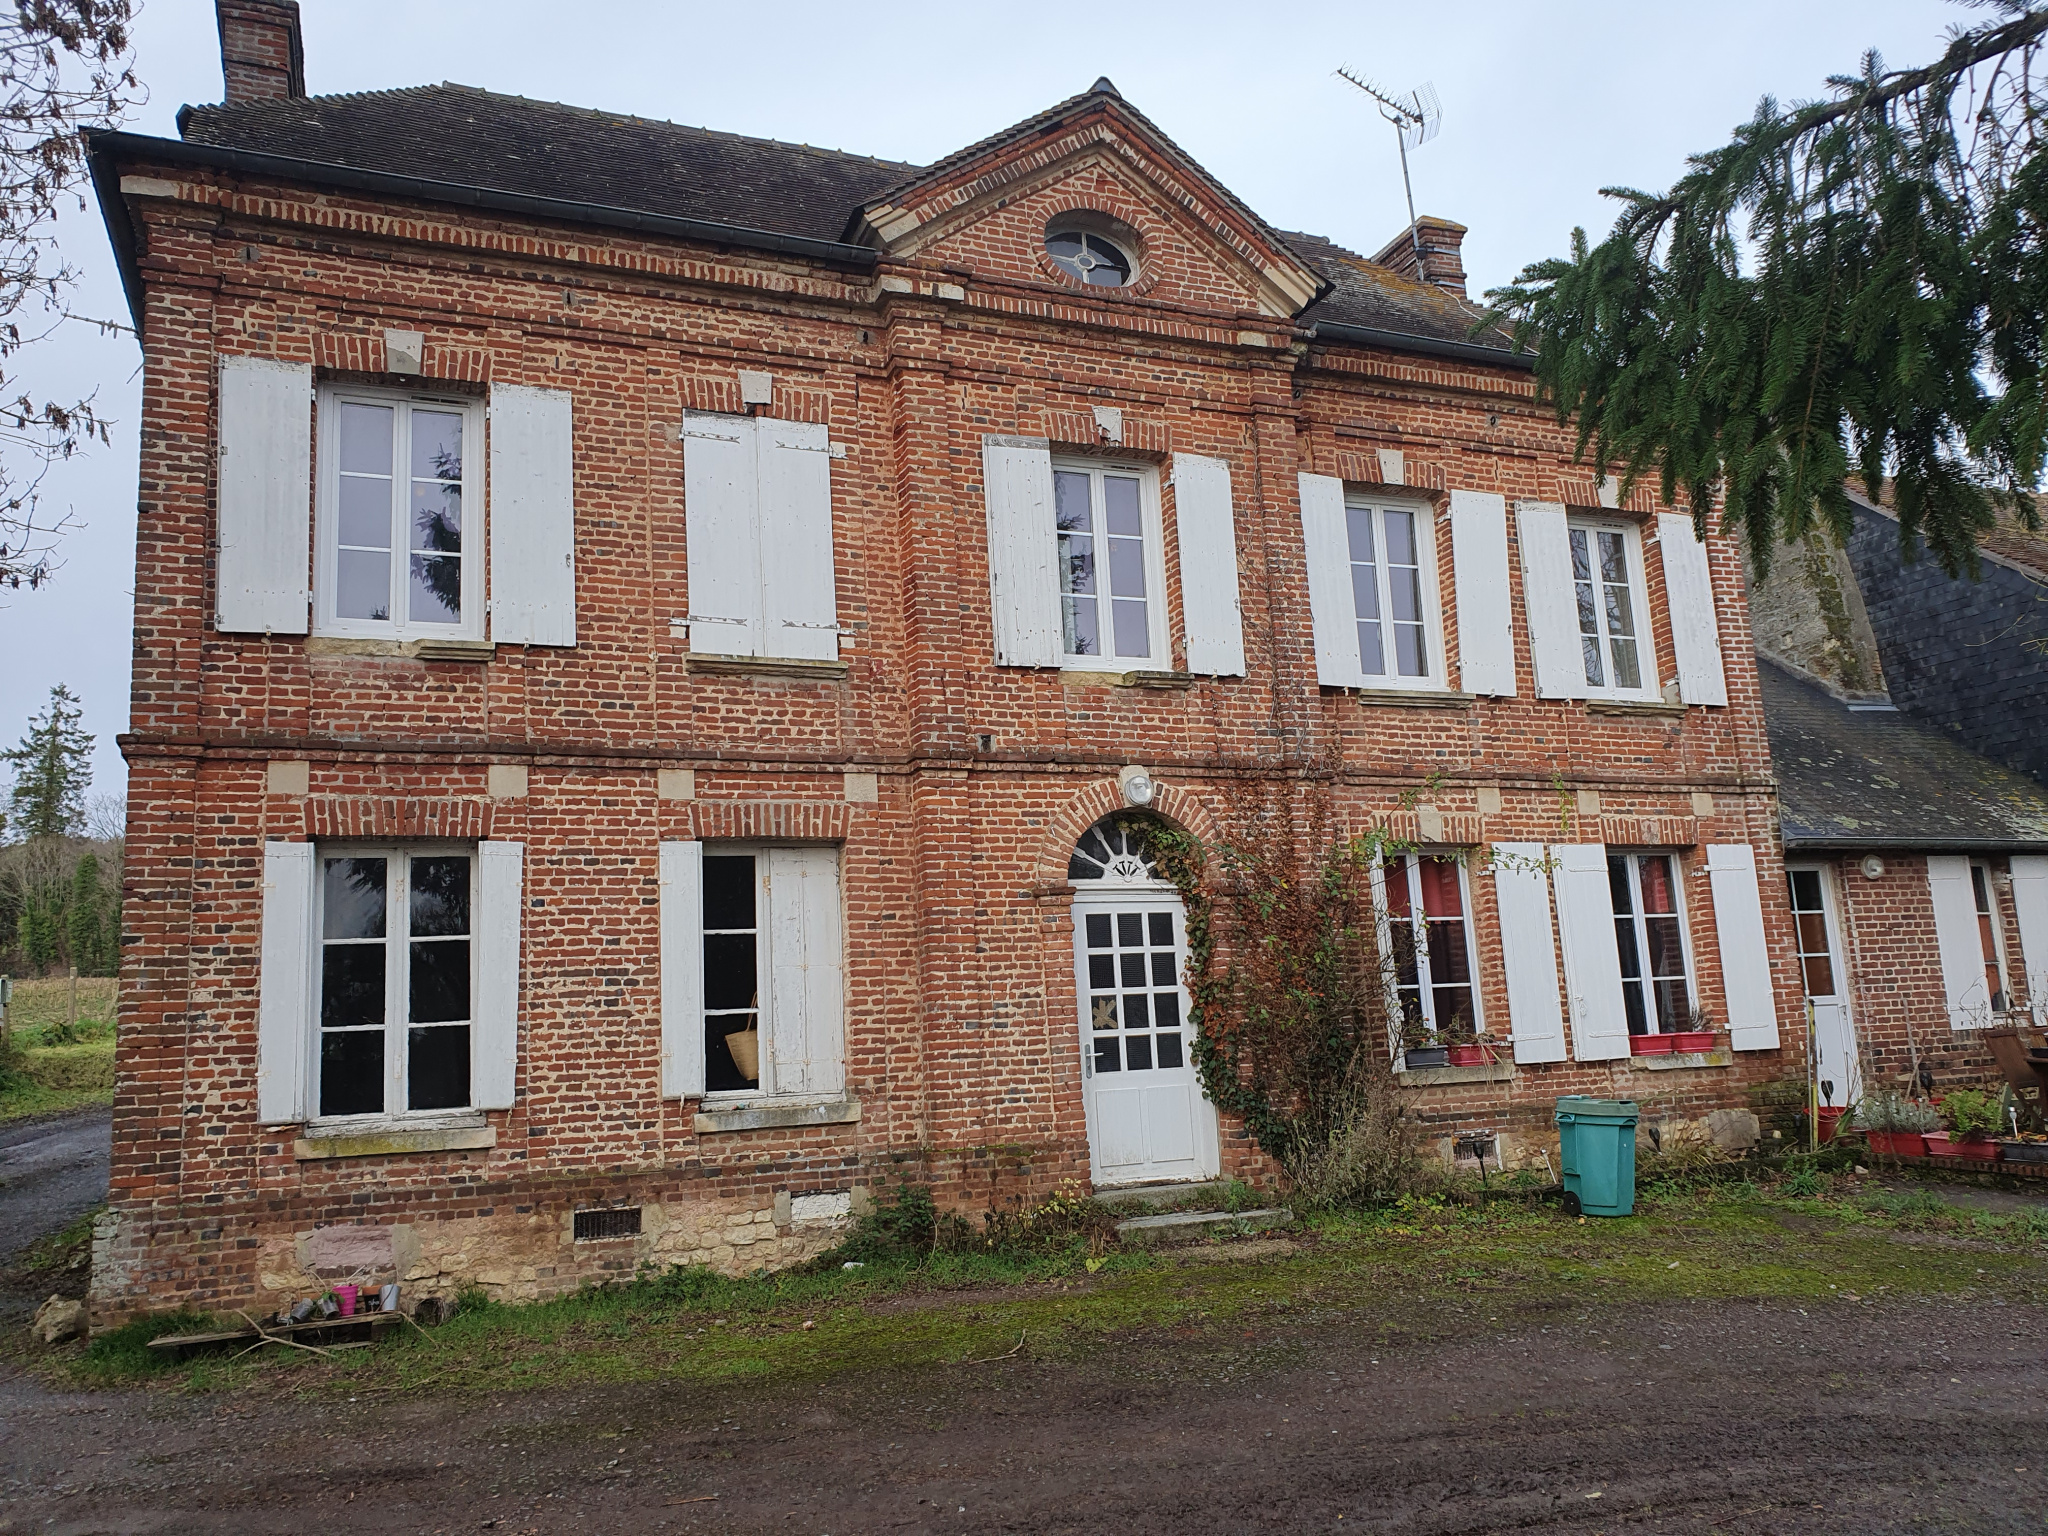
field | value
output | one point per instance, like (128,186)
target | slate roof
(460,135)
(1856,779)
(477,138)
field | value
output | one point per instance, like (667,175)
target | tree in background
(1849,286)
(64,67)
(52,771)
(85,918)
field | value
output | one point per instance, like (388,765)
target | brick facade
(960,1006)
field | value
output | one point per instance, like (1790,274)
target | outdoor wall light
(1872,867)
(1138,786)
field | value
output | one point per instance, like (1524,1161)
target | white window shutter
(1549,601)
(799,593)
(1486,635)
(1207,529)
(1592,962)
(1023,551)
(532,516)
(264,531)
(285,1047)
(1961,945)
(1695,632)
(1745,958)
(1528,952)
(682,970)
(494,1027)
(722,526)
(1326,545)
(2030,907)
(807,1023)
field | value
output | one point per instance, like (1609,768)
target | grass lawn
(1416,1272)
(63,1065)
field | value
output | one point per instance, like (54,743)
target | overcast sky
(1543,105)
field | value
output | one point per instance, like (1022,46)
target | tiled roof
(1877,779)
(476,138)
(1370,295)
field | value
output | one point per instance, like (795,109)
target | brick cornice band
(822,821)
(450,820)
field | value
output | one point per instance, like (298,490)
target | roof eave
(1429,346)
(1878,843)
(108,147)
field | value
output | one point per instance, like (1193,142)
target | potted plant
(1462,1043)
(1699,1033)
(1971,1116)
(1894,1124)
(1650,1044)
(2028,1147)
(1418,1047)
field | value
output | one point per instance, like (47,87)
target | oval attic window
(1089,255)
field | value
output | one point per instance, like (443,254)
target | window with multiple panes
(1112,576)
(396,977)
(1432,926)
(1134,1010)
(1989,936)
(400,516)
(1649,932)
(773,979)
(1607,588)
(1393,588)
(1810,928)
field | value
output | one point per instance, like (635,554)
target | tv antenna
(1416,118)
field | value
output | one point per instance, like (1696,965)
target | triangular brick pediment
(987,206)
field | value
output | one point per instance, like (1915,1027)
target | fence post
(73,1025)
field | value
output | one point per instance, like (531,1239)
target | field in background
(64,1047)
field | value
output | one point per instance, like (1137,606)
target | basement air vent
(594,1226)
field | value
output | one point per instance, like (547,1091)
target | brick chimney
(1442,265)
(261,57)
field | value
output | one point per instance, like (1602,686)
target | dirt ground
(1700,1417)
(51,1171)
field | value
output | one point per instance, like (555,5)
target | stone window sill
(1076,677)
(1413,698)
(1680,1060)
(705,664)
(385,1138)
(1625,709)
(1444,1077)
(718,1115)
(410,650)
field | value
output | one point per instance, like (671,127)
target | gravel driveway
(1730,1417)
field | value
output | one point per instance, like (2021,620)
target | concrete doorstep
(1189,1226)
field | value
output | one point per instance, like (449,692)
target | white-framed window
(1610,600)
(1649,933)
(395,980)
(399,515)
(1112,570)
(1990,935)
(1394,600)
(773,978)
(1427,904)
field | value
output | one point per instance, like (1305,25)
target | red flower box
(1470,1055)
(1897,1143)
(1650,1045)
(1692,1040)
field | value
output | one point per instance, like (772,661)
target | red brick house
(639,630)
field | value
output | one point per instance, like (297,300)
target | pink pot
(1938,1145)
(1650,1045)
(1469,1055)
(1897,1143)
(1692,1040)
(345,1298)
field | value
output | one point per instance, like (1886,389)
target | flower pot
(1650,1045)
(1692,1040)
(1938,1145)
(1468,1055)
(1897,1143)
(2023,1151)
(745,1045)
(345,1299)
(1830,1121)
(1981,1147)
(1426,1056)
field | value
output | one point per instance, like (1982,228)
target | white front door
(1827,989)
(1148,1119)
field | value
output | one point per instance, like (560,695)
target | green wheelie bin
(1598,1140)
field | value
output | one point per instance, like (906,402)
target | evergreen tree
(1850,286)
(84,921)
(37,934)
(52,769)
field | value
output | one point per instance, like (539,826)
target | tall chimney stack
(261,57)
(1442,262)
